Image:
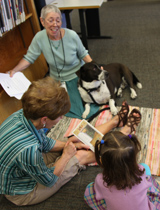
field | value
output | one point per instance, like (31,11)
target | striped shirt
(21,160)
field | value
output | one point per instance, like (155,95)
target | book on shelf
(13,5)
(10,25)
(1,28)
(21,10)
(23,13)
(1,20)
(11,14)
(18,21)
(4,16)
(87,133)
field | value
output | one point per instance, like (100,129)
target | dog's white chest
(101,95)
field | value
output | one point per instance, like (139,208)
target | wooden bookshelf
(26,18)
(13,45)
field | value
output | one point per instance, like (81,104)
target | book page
(14,86)
(87,134)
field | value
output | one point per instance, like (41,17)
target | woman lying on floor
(31,170)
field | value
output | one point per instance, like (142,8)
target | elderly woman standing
(63,51)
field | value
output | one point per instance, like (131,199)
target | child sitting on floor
(123,182)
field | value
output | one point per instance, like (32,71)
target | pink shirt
(129,199)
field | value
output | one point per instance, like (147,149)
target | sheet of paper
(14,86)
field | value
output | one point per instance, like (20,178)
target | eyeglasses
(52,21)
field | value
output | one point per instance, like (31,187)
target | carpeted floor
(135,28)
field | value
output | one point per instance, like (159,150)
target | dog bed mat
(148,133)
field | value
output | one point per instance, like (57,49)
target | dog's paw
(84,115)
(133,93)
(86,111)
(119,93)
(133,96)
(139,85)
(113,108)
(114,111)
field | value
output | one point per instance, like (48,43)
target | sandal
(123,114)
(133,120)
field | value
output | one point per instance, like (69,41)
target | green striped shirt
(21,160)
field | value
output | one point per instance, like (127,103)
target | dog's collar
(91,89)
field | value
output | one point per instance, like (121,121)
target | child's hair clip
(102,141)
(130,136)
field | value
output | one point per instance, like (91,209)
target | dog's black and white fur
(101,84)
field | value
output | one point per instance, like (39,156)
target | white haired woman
(64,53)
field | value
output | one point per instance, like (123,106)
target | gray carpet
(135,28)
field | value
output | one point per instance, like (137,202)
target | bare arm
(68,152)
(23,64)
(87,59)
(59,146)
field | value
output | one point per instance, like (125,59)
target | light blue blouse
(67,58)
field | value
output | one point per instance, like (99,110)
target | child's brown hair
(117,155)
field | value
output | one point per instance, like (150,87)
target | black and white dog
(101,84)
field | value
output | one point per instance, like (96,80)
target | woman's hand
(23,64)
(73,139)
(80,145)
(11,73)
(69,150)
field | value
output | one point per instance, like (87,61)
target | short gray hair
(49,8)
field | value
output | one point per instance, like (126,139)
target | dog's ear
(94,62)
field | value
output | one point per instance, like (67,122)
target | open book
(87,134)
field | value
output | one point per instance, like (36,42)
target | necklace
(56,47)
(58,70)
